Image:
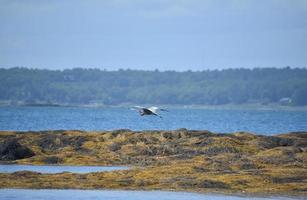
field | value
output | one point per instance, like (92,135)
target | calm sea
(28,194)
(266,122)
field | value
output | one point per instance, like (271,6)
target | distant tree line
(212,87)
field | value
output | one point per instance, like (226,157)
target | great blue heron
(148,111)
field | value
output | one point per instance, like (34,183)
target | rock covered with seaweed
(169,160)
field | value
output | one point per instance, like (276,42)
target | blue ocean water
(265,122)
(28,194)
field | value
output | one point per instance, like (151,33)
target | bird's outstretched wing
(137,108)
(155,109)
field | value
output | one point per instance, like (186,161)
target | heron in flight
(148,111)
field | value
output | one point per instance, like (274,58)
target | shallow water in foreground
(52,169)
(29,194)
(267,122)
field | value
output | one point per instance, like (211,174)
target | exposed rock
(26,173)
(166,160)
(52,160)
(171,135)
(247,166)
(11,149)
(204,142)
(114,146)
(213,184)
(292,179)
(279,155)
(202,134)
(208,184)
(269,142)
(56,141)
(211,151)
(50,142)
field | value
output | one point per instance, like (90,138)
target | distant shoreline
(209,107)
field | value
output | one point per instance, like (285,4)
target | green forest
(209,87)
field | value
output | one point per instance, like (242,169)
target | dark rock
(114,146)
(247,166)
(204,142)
(301,144)
(298,134)
(201,134)
(293,179)
(25,173)
(191,183)
(51,142)
(169,135)
(125,181)
(183,132)
(77,141)
(11,149)
(213,184)
(286,156)
(269,142)
(52,160)
(84,151)
(211,151)
(58,141)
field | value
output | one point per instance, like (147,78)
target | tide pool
(53,169)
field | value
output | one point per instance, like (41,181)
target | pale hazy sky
(149,34)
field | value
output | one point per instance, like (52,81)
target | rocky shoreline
(181,160)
